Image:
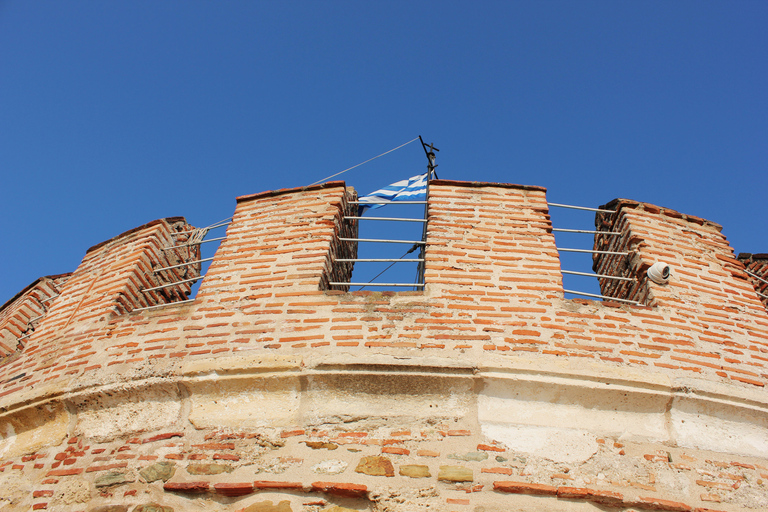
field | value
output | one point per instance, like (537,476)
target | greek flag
(412,189)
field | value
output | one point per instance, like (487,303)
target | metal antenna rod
(430,170)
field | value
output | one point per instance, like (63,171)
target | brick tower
(488,391)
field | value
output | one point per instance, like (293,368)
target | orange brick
(395,450)
(525,488)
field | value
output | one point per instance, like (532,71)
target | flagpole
(422,250)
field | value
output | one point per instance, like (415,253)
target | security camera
(659,273)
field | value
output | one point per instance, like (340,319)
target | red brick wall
(493,284)
(107,284)
(20,316)
(492,239)
(705,271)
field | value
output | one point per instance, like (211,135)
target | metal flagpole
(429,150)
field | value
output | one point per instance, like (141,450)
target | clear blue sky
(116,113)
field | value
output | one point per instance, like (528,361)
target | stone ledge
(241,365)
(672,410)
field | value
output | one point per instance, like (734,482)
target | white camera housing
(659,272)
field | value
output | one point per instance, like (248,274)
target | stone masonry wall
(487,391)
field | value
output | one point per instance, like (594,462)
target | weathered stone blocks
(375,466)
(161,471)
(415,471)
(455,474)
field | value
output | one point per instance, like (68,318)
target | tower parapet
(487,389)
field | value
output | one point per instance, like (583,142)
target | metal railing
(420,244)
(196,237)
(30,327)
(759,279)
(415,243)
(383,240)
(591,251)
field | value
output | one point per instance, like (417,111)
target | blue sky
(115,113)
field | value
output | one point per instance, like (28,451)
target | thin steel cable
(409,251)
(361,163)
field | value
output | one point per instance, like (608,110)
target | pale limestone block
(605,408)
(363,394)
(557,444)
(243,402)
(113,413)
(31,429)
(692,427)
(242,364)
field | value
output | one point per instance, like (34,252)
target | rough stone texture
(32,429)
(566,445)
(221,403)
(375,466)
(267,506)
(13,489)
(415,471)
(252,387)
(317,445)
(112,478)
(72,491)
(476,456)
(160,471)
(126,413)
(152,507)
(208,469)
(455,474)
(330,467)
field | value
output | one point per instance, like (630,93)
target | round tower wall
(487,391)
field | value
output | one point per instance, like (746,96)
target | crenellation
(487,389)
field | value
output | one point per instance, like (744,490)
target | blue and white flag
(412,189)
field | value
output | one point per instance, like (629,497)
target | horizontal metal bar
(175,233)
(25,336)
(173,284)
(580,208)
(601,297)
(387,202)
(50,298)
(166,304)
(385,241)
(380,259)
(586,231)
(387,218)
(756,276)
(35,319)
(602,276)
(224,222)
(195,243)
(181,265)
(762,295)
(219,224)
(377,284)
(591,251)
